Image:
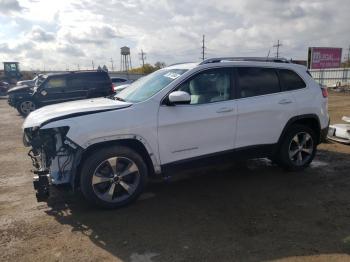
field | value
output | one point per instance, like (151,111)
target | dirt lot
(237,213)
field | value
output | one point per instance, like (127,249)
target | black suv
(60,87)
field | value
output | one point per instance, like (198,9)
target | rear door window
(77,82)
(290,80)
(257,81)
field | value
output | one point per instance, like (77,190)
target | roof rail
(181,63)
(257,59)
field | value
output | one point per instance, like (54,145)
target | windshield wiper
(119,99)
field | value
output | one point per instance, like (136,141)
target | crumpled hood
(51,113)
(26,82)
(19,89)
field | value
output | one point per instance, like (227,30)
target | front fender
(116,138)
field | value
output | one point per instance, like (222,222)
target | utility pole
(112,64)
(268,54)
(78,67)
(203,48)
(93,65)
(142,57)
(277,46)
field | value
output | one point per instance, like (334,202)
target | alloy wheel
(27,107)
(301,148)
(116,179)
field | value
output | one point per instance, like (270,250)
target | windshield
(40,79)
(149,85)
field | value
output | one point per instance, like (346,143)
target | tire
(113,177)
(298,148)
(25,107)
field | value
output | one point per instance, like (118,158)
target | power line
(277,46)
(203,48)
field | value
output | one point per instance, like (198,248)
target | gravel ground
(246,212)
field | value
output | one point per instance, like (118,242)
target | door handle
(224,110)
(285,101)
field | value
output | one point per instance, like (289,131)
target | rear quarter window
(290,80)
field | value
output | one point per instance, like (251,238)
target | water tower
(125,59)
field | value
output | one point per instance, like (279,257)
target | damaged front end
(54,158)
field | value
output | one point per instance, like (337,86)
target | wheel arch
(134,143)
(24,99)
(309,120)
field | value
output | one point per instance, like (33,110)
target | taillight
(112,87)
(324,91)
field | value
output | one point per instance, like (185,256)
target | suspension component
(41,182)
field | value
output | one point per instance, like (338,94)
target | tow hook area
(41,184)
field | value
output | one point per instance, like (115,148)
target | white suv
(243,107)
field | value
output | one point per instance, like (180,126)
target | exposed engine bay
(53,155)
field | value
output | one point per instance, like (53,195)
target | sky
(65,34)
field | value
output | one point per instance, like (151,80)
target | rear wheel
(298,148)
(25,107)
(113,177)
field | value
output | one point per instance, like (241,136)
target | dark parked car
(61,87)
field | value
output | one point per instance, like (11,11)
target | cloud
(70,50)
(5,49)
(9,6)
(39,34)
(76,31)
(90,35)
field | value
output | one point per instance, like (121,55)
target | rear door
(77,87)
(291,82)
(263,110)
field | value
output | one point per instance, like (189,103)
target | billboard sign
(324,57)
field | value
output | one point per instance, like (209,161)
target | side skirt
(244,153)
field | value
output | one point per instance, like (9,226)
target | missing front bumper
(41,183)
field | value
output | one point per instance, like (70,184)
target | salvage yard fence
(332,77)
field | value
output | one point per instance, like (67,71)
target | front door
(206,125)
(53,91)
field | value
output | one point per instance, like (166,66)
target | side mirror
(179,97)
(43,92)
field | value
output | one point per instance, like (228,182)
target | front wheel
(298,148)
(25,107)
(113,177)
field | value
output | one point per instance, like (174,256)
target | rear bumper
(339,133)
